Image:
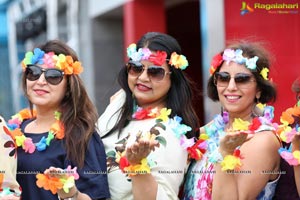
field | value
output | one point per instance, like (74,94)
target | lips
(41,92)
(232,98)
(142,87)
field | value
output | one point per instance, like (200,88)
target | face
(149,83)
(236,88)
(44,87)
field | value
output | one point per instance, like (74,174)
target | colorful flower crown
(178,61)
(62,62)
(237,57)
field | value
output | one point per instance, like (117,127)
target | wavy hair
(79,115)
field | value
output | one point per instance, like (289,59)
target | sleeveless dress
(199,177)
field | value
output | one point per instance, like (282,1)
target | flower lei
(237,57)
(161,116)
(56,131)
(287,131)
(53,183)
(7,193)
(178,61)
(62,62)
(210,140)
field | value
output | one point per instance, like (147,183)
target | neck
(44,120)
(158,104)
(246,117)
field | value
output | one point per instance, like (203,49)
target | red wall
(281,32)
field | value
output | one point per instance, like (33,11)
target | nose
(232,84)
(42,80)
(144,75)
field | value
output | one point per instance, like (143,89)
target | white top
(170,161)
(8,160)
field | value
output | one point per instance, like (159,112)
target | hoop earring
(256,111)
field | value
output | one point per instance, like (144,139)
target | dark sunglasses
(155,73)
(52,76)
(242,80)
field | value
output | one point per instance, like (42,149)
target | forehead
(233,67)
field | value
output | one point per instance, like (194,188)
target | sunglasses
(242,80)
(155,73)
(52,76)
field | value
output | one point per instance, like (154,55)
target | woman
(58,136)
(141,128)
(240,161)
(289,183)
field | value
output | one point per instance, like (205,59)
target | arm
(296,147)
(92,182)
(166,175)
(142,183)
(260,158)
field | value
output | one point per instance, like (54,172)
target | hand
(231,141)
(296,141)
(60,173)
(139,150)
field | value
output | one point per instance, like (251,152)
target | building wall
(279,29)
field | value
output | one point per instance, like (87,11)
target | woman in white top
(142,126)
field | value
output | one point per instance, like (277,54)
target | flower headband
(237,57)
(178,61)
(62,62)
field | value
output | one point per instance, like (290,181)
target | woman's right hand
(140,150)
(296,142)
(232,140)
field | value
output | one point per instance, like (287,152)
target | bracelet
(292,158)
(74,197)
(133,170)
(232,162)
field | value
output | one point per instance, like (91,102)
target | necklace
(210,141)
(116,157)
(56,131)
(289,128)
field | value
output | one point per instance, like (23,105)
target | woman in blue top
(60,154)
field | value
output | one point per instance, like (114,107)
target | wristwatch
(74,197)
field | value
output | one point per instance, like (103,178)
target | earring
(256,111)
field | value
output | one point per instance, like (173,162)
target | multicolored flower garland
(287,131)
(58,180)
(158,58)
(62,62)
(162,119)
(56,131)
(210,140)
(231,55)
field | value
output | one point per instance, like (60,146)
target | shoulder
(262,144)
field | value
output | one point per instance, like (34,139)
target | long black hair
(180,94)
